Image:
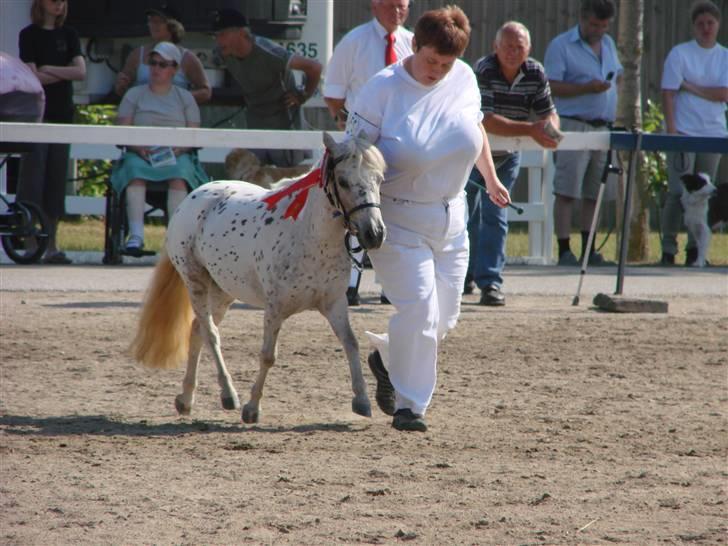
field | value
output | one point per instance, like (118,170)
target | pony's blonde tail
(163,332)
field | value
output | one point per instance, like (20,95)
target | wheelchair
(116,225)
(23,228)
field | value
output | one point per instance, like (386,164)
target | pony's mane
(369,154)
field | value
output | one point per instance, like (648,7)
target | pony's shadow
(101,425)
(129,304)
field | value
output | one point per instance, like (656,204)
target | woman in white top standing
(423,113)
(694,93)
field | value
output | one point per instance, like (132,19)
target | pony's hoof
(250,414)
(230,403)
(361,408)
(180,407)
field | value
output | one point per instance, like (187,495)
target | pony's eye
(344,183)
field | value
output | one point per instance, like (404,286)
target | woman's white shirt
(690,62)
(429,135)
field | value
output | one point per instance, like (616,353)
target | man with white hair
(359,55)
(512,86)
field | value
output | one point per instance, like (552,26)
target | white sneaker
(134,241)
(134,246)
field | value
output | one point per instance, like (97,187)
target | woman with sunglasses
(160,103)
(164,26)
(53,52)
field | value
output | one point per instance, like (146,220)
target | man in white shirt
(694,93)
(359,55)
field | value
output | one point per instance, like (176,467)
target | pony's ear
(329,142)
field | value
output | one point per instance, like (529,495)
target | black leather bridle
(332,192)
(331,188)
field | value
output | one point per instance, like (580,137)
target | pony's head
(357,169)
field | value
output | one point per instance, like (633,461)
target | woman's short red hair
(446,30)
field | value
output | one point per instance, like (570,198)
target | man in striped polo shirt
(512,87)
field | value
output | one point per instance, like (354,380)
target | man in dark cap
(263,70)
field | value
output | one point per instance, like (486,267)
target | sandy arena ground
(551,424)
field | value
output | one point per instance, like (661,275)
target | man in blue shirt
(583,71)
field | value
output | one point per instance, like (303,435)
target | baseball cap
(228,18)
(164,11)
(168,51)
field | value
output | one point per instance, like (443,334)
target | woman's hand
(498,193)
(141,151)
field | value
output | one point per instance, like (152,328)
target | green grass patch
(88,234)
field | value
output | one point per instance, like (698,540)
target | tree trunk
(629,114)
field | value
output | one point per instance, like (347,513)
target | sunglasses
(162,64)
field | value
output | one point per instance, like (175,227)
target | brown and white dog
(694,199)
(241,164)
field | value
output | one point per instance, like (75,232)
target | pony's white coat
(226,244)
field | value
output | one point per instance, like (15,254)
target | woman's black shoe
(385,390)
(404,419)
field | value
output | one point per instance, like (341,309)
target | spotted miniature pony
(281,249)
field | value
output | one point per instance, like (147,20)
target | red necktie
(390,55)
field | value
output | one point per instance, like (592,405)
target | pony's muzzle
(372,236)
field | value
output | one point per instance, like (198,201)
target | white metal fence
(100,142)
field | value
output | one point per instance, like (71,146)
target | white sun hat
(168,51)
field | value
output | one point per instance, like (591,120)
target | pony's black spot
(243,221)
(268,221)
(260,206)
(193,197)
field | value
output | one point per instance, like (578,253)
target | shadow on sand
(100,425)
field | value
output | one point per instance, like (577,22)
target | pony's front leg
(271,329)
(338,317)
(184,402)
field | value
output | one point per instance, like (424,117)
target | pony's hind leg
(271,328)
(338,317)
(184,402)
(210,303)
(220,302)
